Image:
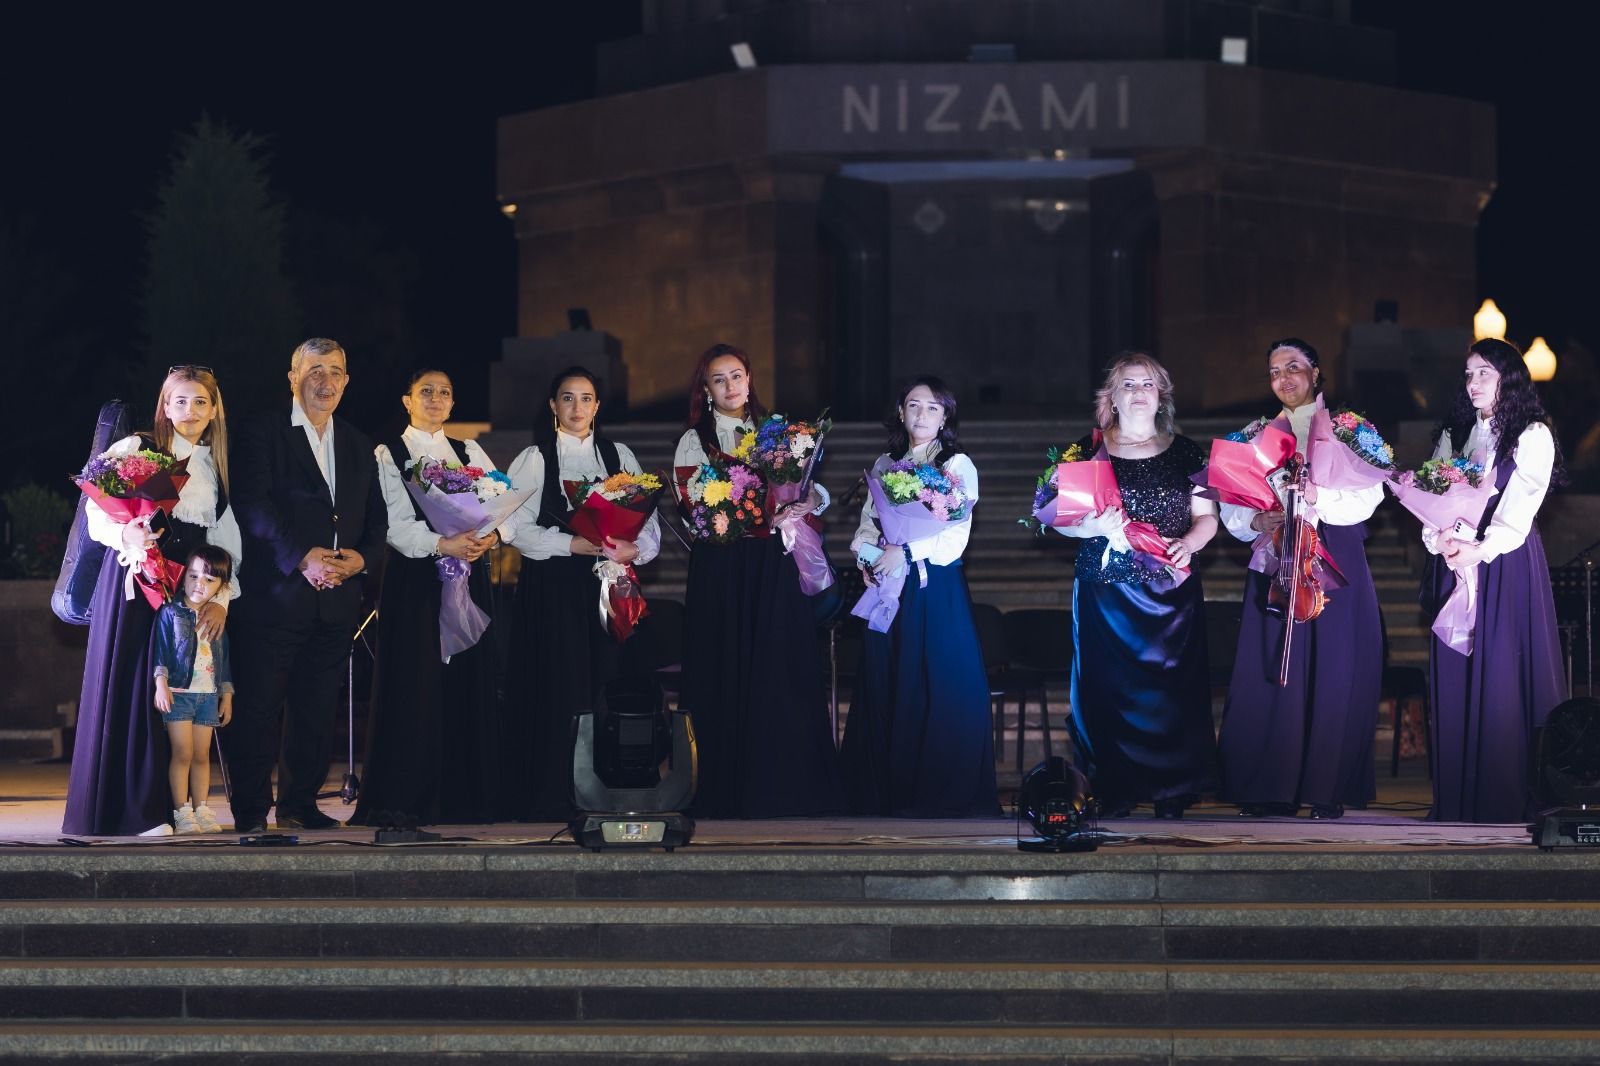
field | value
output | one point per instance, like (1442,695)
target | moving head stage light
(1566,769)
(1055,799)
(634,771)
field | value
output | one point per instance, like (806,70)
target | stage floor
(32,796)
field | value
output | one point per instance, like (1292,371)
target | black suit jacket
(284,510)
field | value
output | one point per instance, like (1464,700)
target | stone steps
(826,1044)
(783,954)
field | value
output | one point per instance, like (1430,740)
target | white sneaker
(183,820)
(205,821)
(162,830)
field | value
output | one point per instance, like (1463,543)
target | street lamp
(1541,361)
(1489,322)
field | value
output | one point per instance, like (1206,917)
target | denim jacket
(175,645)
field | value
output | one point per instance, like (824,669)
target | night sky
(383,117)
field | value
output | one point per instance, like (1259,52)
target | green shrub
(38,520)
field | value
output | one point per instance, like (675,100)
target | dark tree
(216,291)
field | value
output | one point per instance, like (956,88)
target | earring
(708,401)
(555,421)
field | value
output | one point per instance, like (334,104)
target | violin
(1295,593)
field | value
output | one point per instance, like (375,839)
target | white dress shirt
(1334,507)
(730,431)
(197,504)
(321,446)
(945,546)
(578,461)
(408,534)
(1535,454)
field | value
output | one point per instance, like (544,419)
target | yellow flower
(746,443)
(717,492)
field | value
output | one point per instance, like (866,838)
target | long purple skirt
(1309,742)
(1486,705)
(1141,692)
(118,781)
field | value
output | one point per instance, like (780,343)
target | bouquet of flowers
(1346,451)
(1241,462)
(786,453)
(459,499)
(912,500)
(132,487)
(1082,482)
(615,509)
(724,501)
(1450,496)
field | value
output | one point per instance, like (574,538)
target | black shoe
(1327,810)
(1170,809)
(1268,810)
(249,826)
(311,819)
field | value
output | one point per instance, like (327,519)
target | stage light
(1566,761)
(1235,51)
(633,774)
(1488,323)
(1540,360)
(743,55)
(508,210)
(1056,800)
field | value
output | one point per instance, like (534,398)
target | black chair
(1040,642)
(1223,619)
(1401,684)
(991,628)
(655,648)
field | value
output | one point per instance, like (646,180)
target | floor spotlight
(1055,799)
(1566,767)
(633,771)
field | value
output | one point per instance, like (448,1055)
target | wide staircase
(848,955)
(1011,568)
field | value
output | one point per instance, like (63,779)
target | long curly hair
(700,419)
(949,433)
(1515,408)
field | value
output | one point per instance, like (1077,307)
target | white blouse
(1334,507)
(578,461)
(197,504)
(408,534)
(945,546)
(1535,454)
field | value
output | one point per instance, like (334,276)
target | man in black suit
(305,489)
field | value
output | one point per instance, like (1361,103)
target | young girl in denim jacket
(194,689)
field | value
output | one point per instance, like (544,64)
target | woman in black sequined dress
(1141,691)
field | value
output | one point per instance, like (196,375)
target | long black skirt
(753,685)
(1487,705)
(1309,742)
(560,661)
(433,732)
(118,781)
(920,742)
(1141,692)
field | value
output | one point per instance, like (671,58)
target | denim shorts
(201,708)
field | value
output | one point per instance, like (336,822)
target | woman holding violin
(1299,722)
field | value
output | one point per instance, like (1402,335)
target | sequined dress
(1141,691)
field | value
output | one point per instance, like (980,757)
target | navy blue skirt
(919,742)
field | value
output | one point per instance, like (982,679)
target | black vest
(553,504)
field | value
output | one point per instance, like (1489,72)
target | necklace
(1136,443)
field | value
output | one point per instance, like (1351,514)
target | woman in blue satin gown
(1141,691)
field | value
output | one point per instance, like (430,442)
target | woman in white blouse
(751,680)
(118,783)
(918,743)
(563,654)
(1308,743)
(433,735)
(1487,704)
